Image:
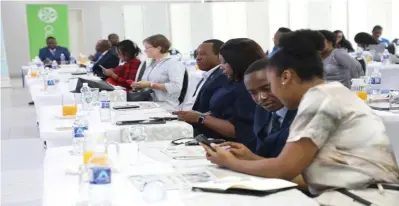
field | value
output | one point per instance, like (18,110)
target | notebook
(255,186)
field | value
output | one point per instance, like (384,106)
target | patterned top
(127,71)
(354,150)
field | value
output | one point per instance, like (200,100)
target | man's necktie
(275,123)
(196,89)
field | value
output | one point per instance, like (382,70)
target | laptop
(102,85)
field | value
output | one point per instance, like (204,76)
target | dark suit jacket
(233,103)
(270,145)
(109,61)
(214,82)
(44,53)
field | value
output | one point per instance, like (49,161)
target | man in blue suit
(271,120)
(212,80)
(53,52)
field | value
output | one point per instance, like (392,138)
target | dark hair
(300,52)
(284,30)
(129,49)
(216,44)
(331,37)
(239,54)
(50,37)
(343,43)
(257,66)
(159,40)
(110,35)
(377,27)
(365,39)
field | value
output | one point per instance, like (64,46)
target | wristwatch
(201,118)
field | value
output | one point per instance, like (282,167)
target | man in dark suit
(271,120)
(108,59)
(212,80)
(53,52)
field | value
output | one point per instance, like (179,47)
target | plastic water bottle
(80,125)
(105,110)
(62,58)
(385,57)
(89,68)
(54,65)
(99,169)
(192,55)
(375,81)
(86,97)
(72,60)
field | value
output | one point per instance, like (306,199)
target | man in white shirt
(212,79)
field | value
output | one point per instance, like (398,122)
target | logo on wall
(47,15)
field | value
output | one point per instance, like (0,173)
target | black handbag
(139,96)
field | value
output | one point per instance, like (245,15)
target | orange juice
(69,110)
(100,160)
(33,74)
(362,95)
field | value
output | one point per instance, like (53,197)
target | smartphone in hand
(102,67)
(204,140)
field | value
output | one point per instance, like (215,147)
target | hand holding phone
(204,140)
(102,67)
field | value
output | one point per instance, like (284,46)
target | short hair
(159,40)
(284,30)
(129,49)
(216,44)
(329,36)
(300,52)
(364,38)
(377,27)
(50,37)
(239,54)
(113,34)
(257,66)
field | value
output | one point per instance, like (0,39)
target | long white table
(390,74)
(64,189)
(51,119)
(391,122)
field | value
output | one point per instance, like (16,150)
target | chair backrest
(362,62)
(184,88)
(391,49)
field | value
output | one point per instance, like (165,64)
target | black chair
(391,49)
(184,88)
(362,62)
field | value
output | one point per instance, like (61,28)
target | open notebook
(255,186)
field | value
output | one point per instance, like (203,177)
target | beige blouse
(354,150)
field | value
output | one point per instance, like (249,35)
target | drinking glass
(154,191)
(394,101)
(95,94)
(137,134)
(69,105)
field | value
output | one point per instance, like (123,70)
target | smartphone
(102,67)
(204,140)
(126,107)
(128,122)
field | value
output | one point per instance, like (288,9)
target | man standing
(377,32)
(53,52)
(107,59)
(276,40)
(213,78)
(114,39)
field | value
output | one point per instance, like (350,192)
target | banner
(46,20)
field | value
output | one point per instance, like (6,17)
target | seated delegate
(164,75)
(338,65)
(53,51)
(213,79)
(331,142)
(231,108)
(120,76)
(107,59)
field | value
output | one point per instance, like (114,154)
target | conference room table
(63,187)
(56,130)
(390,74)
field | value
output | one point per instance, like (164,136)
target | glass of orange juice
(34,72)
(362,95)
(69,105)
(95,142)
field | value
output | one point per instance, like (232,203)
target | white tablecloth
(51,119)
(391,122)
(64,190)
(390,74)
